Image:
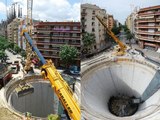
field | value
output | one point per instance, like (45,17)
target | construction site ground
(5,113)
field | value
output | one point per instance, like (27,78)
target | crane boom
(109,32)
(29,29)
(60,87)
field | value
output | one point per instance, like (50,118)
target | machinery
(60,87)
(121,50)
(29,29)
(24,89)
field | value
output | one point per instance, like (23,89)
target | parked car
(14,69)
(17,64)
(8,61)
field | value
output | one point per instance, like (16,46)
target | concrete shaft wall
(40,103)
(108,79)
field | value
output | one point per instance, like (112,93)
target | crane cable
(43,110)
(133,77)
(113,80)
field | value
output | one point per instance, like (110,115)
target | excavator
(60,87)
(121,49)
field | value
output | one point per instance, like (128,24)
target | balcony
(146,26)
(56,37)
(149,39)
(56,31)
(147,33)
(149,14)
(55,43)
(146,21)
(48,49)
(83,13)
(50,56)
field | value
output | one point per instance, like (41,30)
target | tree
(125,28)
(23,53)
(116,30)
(17,49)
(129,36)
(88,40)
(2,54)
(11,45)
(68,54)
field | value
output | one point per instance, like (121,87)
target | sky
(50,10)
(120,9)
(62,10)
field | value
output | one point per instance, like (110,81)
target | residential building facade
(21,40)
(91,24)
(12,30)
(147,27)
(110,22)
(50,36)
(130,21)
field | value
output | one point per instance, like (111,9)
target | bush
(53,117)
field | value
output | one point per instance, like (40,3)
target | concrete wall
(129,78)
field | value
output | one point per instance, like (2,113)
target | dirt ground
(5,114)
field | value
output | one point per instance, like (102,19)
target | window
(74,35)
(93,30)
(68,28)
(83,31)
(82,18)
(75,28)
(93,12)
(93,23)
(77,41)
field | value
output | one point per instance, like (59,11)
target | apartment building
(49,36)
(91,25)
(21,40)
(110,22)
(130,21)
(12,30)
(147,27)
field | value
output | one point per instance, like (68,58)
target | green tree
(68,54)
(125,28)
(53,117)
(11,45)
(4,44)
(116,30)
(2,54)
(17,49)
(129,36)
(88,40)
(23,53)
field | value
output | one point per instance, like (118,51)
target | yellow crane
(29,29)
(122,47)
(49,71)
(59,85)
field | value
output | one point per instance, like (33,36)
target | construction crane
(121,50)
(29,29)
(60,87)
